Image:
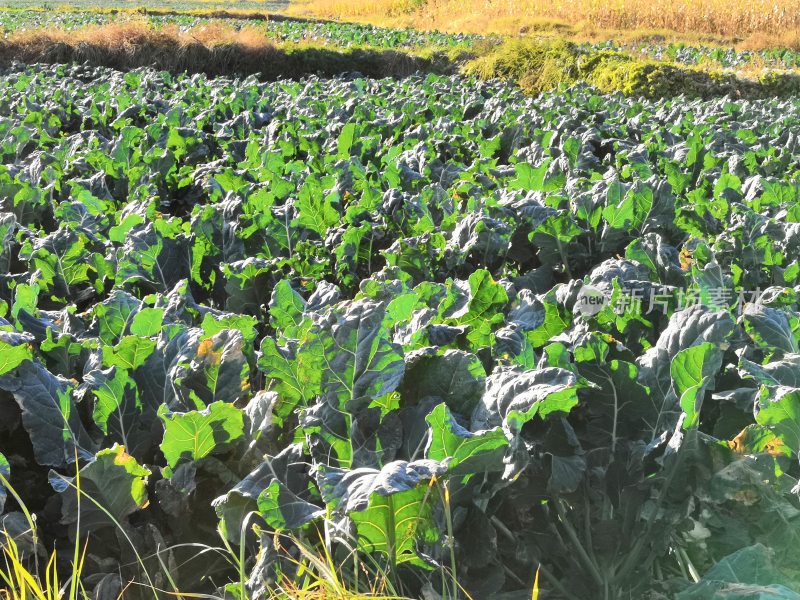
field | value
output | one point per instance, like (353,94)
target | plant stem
(633,557)
(551,579)
(556,584)
(451,539)
(563,257)
(582,554)
(693,574)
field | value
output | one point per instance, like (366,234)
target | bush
(540,66)
(537,66)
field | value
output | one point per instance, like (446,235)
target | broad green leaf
(316,210)
(747,574)
(244,324)
(401,308)
(556,355)
(61,352)
(462,451)
(572,148)
(211,369)
(620,407)
(194,435)
(346,139)
(354,249)
(115,315)
(553,319)
(114,480)
(553,401)
(12,354)
(593,348)
(483,312)
(391,508)
(455,376)
(288,468)
(62,259)
(514,397)
(689,327)
(693,371)
(393,524)
(26,297)
(49,414)
(771,328)
(553,238)
(630,213)
(779,411)
(156,255)
(119,411)
(361,362)
(295,374)
(534,179)
(283,510)
(779,193)
(130,353)
(286,308)
(529,178)
(113,395)
(728,188)
(147,322)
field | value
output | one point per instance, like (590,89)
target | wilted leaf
(113,479)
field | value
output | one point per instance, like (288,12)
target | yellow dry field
(759,22)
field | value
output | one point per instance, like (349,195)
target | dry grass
(765,22)
(759,41)
(214,49)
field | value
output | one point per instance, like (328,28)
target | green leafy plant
(342,324)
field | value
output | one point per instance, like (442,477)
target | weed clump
(536,65)
(543,65)
(618,72)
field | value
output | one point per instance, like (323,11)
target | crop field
(438,337)
(137,5)
(347,35)
(764,20)
(341,35)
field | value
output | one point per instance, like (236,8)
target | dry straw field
(762,21)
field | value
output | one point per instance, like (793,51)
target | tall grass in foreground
(18,581)
(22,577)
(729,18)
